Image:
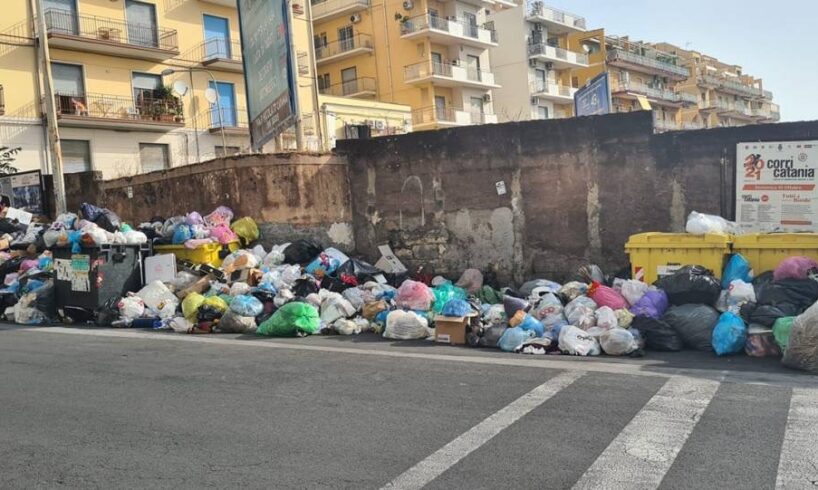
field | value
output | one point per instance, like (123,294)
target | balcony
(626,59)
(223,3)
(560,58)
(344,48)
(218,54)
(332,9)
(359,88)
(662,125)
(97,111)
(661,96)
(505,3)
(767,95)
(733,87)
(448,117)
(557,21)
(448,31)
(67,30)
(768,114)
(731,109)
(561,94)
(448,75)
(234,120)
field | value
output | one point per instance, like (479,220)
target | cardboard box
(451,330)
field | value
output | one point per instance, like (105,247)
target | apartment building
(534,70)
(642,77)
(432,55)
(725,95)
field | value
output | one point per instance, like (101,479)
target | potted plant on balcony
(164,105)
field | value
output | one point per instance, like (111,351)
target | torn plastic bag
(737,269)
(537,346)
(577,342)
(406,325)
(232,322)
(302,252)
(658,335)
(729,335)
(414,295)
(692,284)
(740,293)
(795,268)
(694,324)
(617,342)
(292,319)
(513,338)
(802,349)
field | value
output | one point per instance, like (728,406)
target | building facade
(726,96)
(534,70)
(432,55)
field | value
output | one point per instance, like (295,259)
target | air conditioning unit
(549,65)
(535,101)
(532,63)
(487,98)
(408,5)
(355,18)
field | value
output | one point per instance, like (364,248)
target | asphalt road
(136,409)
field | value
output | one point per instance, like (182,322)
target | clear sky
(772,40)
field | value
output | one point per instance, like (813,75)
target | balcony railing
(454,71)
(653,92)
(364,85)
(455,27)
(617,54)
(68,23)
(113,107)
(557,53)
(451,116)
(322,9)
(768,95)
(219,49)
(227,117)
(732,85)
(538,9)
(541,87)
(357,41)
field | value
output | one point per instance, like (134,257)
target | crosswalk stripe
(640,456)
(444,458)
(798,463)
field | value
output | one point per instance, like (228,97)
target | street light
(170,71)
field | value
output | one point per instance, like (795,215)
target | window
(471,24)
(349,80)
(320,40)
(61,16)
(223,112)
(346,38)
(76,156)
(473,67)
(153,157)
(142,27)
(69,89)
(217,37)
(231,150)
(575,82)
(144,85)
(440,107)
(542,112)
(323,82)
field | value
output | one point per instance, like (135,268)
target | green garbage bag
(290,320)
(781,331)
(445,293)
(490,296)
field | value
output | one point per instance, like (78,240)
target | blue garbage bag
(456,308)
(738,268)
(245,305)
(513,338)
(532,324)
(730,334)
(182,234)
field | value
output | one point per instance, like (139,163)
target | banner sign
(775,186)
(594,98)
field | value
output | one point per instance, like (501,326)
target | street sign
(268,73)
(594,98)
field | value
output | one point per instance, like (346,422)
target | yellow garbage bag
(247,229)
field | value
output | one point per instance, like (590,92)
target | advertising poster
(594,99)
(775,186)
(22,191)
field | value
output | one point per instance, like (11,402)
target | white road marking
(644,451)
(798,463)
(444,458)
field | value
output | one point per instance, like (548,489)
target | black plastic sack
(89,211)
(766,315)
(491,336)
(302,252)
(334,284)
(794,294)
(304,287)
(108,221)
(208,314)
(10,267)
(11,227)
(692,284)
(363,271)
(107,313)
(658,335)
(694,324)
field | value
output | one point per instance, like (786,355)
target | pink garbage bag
(794,268)
(223,234)
(414,296)
(605,296)
(221,216)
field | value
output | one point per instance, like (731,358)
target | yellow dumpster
(654,255)
(210,254)
(765,250)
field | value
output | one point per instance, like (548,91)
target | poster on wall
(594,99)
(22,191)
(268,68)
(776,186)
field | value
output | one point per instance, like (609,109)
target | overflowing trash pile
(302,288)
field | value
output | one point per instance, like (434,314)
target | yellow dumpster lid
(679,240)
(776,240)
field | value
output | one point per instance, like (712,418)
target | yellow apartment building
(535,61)
(432,55)
(726,96)
(642,77)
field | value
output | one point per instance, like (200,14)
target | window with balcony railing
(69,23)
(357,41)
(358,86)
(142,107)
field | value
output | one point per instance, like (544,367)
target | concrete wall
(576,189)
(289,195)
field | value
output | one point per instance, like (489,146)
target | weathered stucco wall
(289,195)
(576,189)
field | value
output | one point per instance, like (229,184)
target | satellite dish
(180,88)
(211,95)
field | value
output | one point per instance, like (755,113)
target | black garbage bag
(694,324)
(37,306)
(334,284)
(302,252)
(11,226)
(791,294)
(363,271)
(108,221)
(89,211)
(107,313)
(766,315)
(692,284)
(491,336)
(304,287)
(10,266)
(208,314)
(658,335)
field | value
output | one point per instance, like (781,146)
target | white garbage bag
(159,300)
(701,224)
(578,342)
(406,325)
(618,342)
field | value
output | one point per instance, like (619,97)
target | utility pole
(299,127)
(317,120)
(51,112)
